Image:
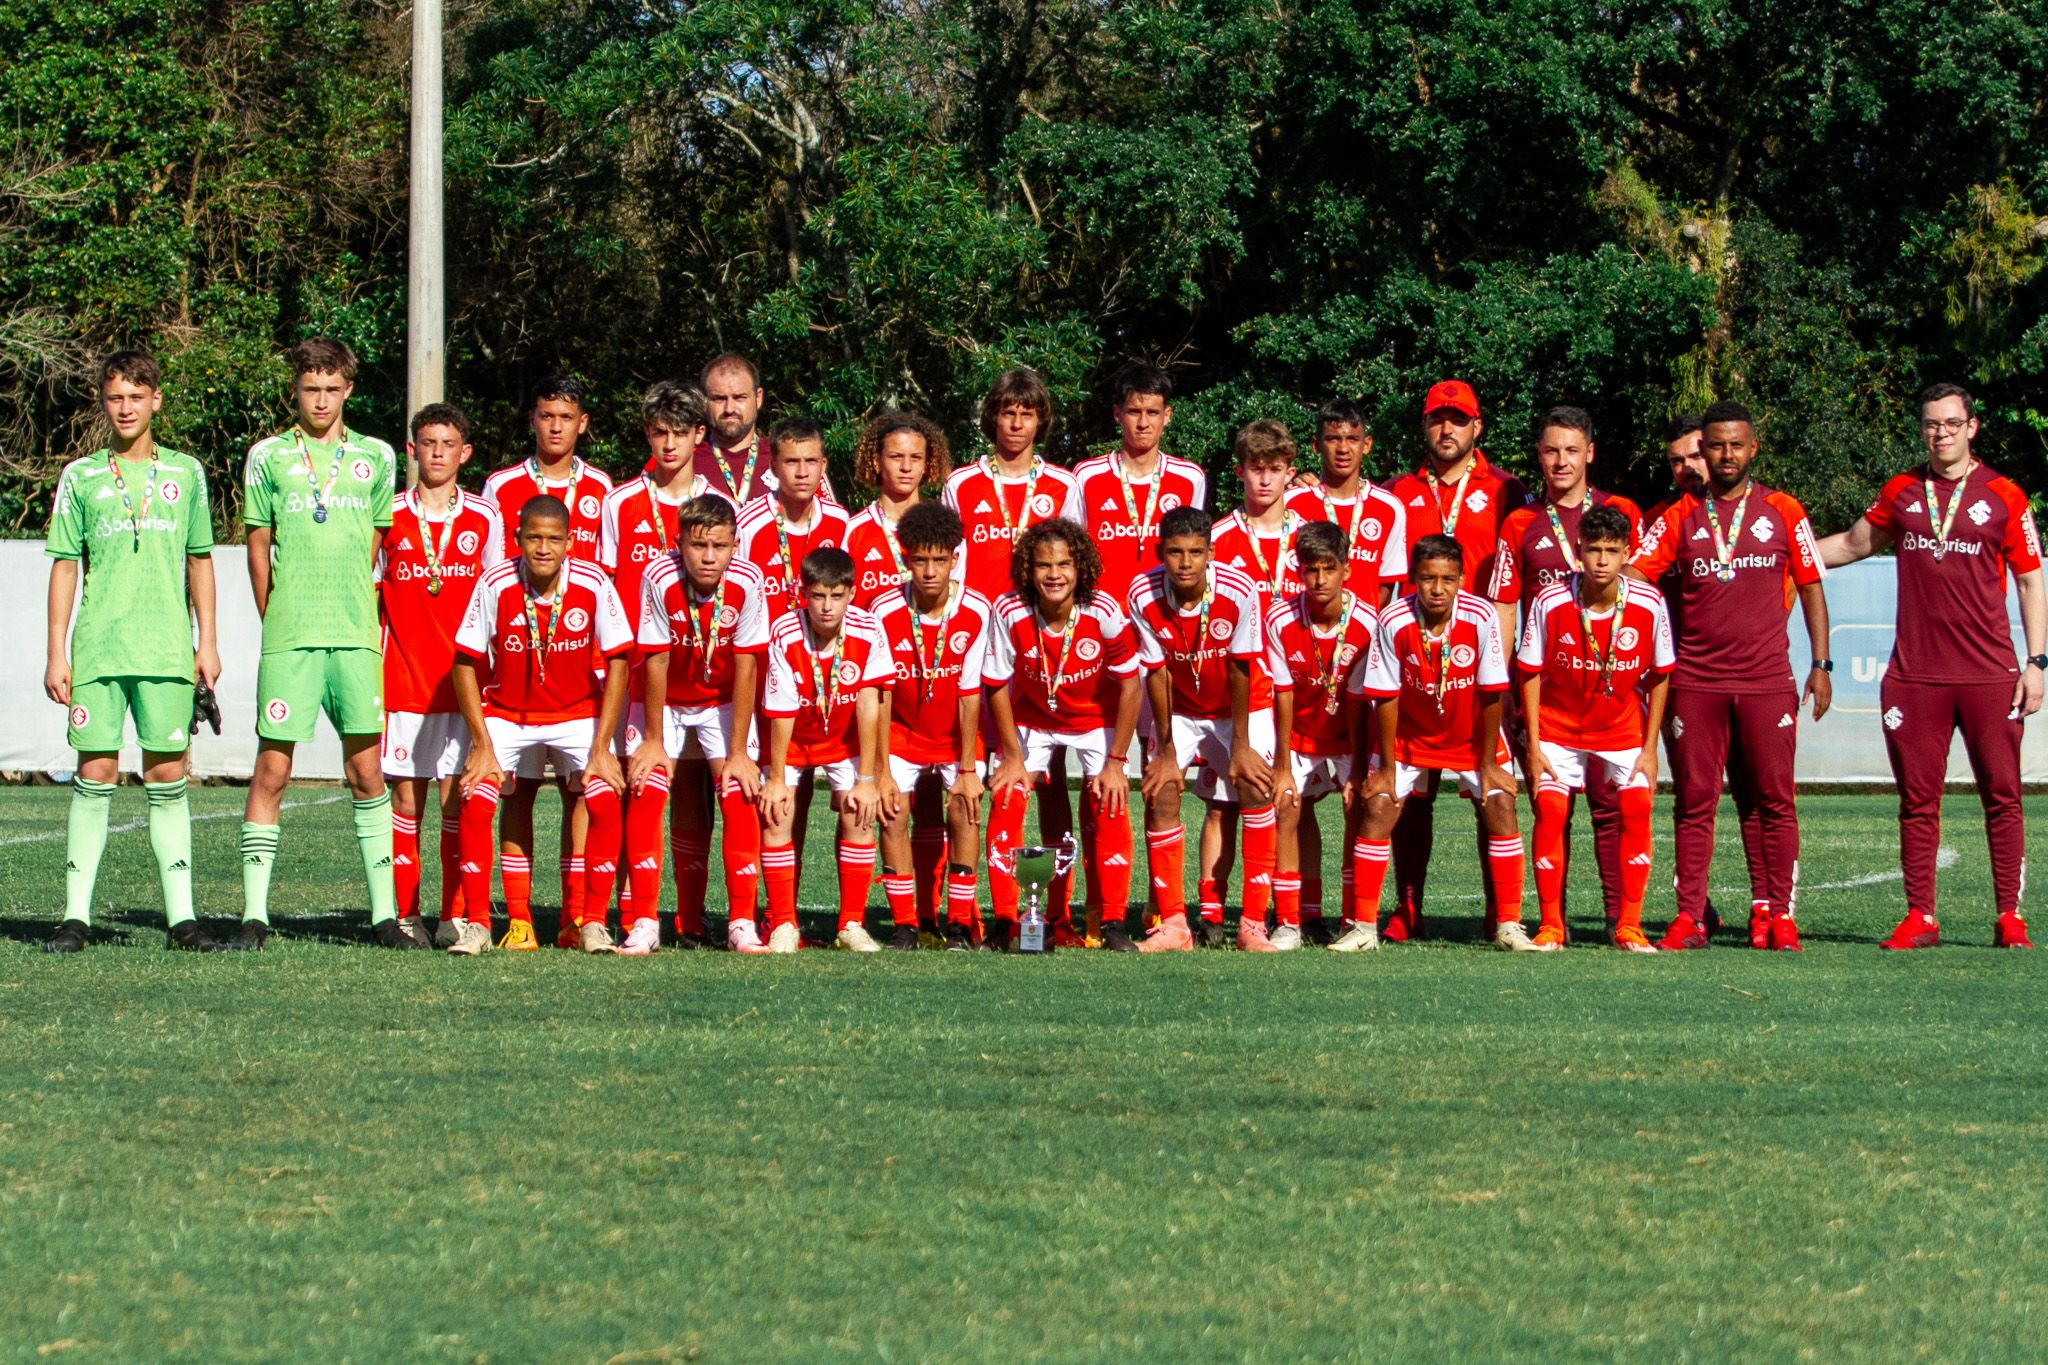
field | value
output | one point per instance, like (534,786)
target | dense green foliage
(1434,1153)
(1812,207)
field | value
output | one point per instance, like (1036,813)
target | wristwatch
(2038,660)
(1824,665)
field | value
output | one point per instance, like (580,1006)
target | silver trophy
(1034,867)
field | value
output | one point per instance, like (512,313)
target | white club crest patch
(1219,630)
(1476,501)
(1169,501)
(1893,718)
(1464,656)
(279,710)
(575,619)
(849,673)
(169,491)
(1763,528)
(588,505)
(1370,529)
(1626,638)
(80,717)
(1979,512)
(467,542)
(1041,504)
(728,616)
(361,469)
(1085,650)
(958,644)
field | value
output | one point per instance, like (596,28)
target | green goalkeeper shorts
(294,685)
(162,708)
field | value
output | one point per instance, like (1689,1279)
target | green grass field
(329,1152)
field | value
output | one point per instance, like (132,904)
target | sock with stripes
(740,844)
(259,851)
(1209,894)
(1553,816)
(1504,876)
(1636,804)
(1006,832)
(170,839)
(901,889)
(960,906)
(478,841)
(1287,898)
(856,871)
(451,871)
(928,867)
(1165,851)
(405,863)
(778,873)
(85,839)
(1110,867)
(373,841)
(1369,859)
(601,856)
(1261,839)
(646,810)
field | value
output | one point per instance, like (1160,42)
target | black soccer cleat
(253,935)
(1214,935)
(1116,937)
(389,934)
(69,937)
(1316,929)
(904,939)
(959,938)
(690,942)
(190,938)
(1000,935)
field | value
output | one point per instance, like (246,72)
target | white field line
(130,826)
(1944,858)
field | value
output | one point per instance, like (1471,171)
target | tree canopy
(1814,209)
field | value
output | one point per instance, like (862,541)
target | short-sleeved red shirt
(1316,669)
(1438,680)
(994,511)
(935,664)
(1584,705)
(583,493)
(1066,682)
(1376,527)
(1471,516)
(703,635)
(545,660)
(760,538)
(420,624)
(1530,557)
(825,728)
(1124,536)
(1197,657)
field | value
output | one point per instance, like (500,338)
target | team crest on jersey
(588,506)
(279,710)
(1041,504)
(1762,527)
(1979,513)
(575,619)
(1085,650)
(1463,655)
(1219,630)
(80,717)
(1289,560)
(958,644)
(849,673)
(467,542)
(169,491)
(1169,502)
(1341,660)
(361,469)
(1476,502)
(728,616)
(1370,530)
(1626,638)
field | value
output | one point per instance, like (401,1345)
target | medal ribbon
(319,491)
(553,601)
(1564,546)
(544,483)
(1604,663)
(1056,678)
(654,506)
(827,698)
(895,546)
(704,634)
(1202,625)
(1288,525)
(434,553)
(149,494)
(1724,550)
(917,632)
(1123,476)
(789,567)
(1357,511)
(1030,487)
(1443,656)
(739,490)
(1944,523)
(1436,486)
(1326,673)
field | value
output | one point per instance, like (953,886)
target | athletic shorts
(1407,779)
(908,772)
(162,708)
(702,728)
(565,743)
(1203,743)
(1609,768)
(840,775)
(434,745)
(1319,775)
(294,685)
(1091,746)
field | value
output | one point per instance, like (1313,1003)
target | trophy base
(1032,938)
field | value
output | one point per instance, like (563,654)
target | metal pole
(426,313)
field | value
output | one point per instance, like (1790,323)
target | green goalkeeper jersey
(133,522)
(323,506)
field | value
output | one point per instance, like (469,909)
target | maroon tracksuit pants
(1919,721)
(1751,737)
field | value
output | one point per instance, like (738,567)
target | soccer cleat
(471,939)
(1550,937)
(854,938)
(415,929)
(1214,935)
(1685,933)
(69,937)
(1785,934)
(190,938)
(567,936)
(906,938)
(1358,938)
(1170,936)
(1000,936)
(253,935)
(1316,929)
(595,938)
(1065,935)
(1401,926)
(519,938)
(742,937)
(1116,937)
(1286,938)
(1760,924)
(1713,920)
(1630,939)
(448,932)
(1510,937)
(959,938)
(928,936)
(784,938)
(2011,932)
(1251,938)
(690,943)
(1915,931)
(643,938)
(390,934)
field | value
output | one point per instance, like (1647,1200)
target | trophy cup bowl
(1035,867)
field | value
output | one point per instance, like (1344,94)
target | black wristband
(2037,660)
(1824,665)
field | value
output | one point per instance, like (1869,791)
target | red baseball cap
(1452,393)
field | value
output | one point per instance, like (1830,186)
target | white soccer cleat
(1510,937)
(855,938)
(595,938)
(742,937)
(1286,938)
(643,938)
(784,938)
(472,938)
(1359,938)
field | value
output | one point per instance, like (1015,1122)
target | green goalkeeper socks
(170,838)
(373,837)
(259,851)
(85,839)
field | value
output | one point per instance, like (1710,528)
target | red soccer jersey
(1317,667)
(702,634)
(1267,558)
(1469,509)
(826,719)
(1952,619)
(545,662)
(935,663)
(1438,680)
(777,547)
(1123,517)
(419,621)
(878,564)
(1195,644)
(1375,525)
(1731,616)
(635,527)
(583,493)
(994,511)
(1538,545)
(1066,682)
(1592,686)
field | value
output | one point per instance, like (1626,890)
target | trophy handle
(1064,861)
